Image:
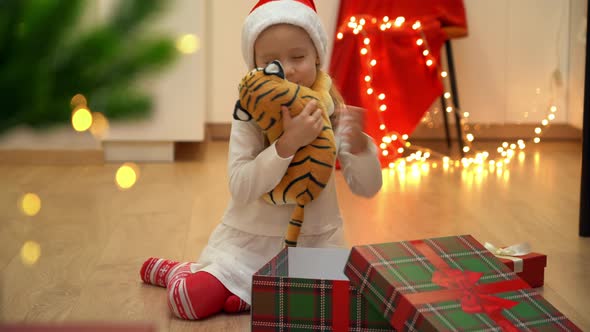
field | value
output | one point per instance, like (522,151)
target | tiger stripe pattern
(262,92)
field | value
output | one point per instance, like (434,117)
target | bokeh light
(30,204)
(81,119)
(30,252)
(127,175)
(188,44)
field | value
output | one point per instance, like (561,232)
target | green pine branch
(45,60)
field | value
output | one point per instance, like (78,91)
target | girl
(252,231)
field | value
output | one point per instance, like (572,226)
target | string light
(392,145)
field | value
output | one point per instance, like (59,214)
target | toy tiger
(262,92)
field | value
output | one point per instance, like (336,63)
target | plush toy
(262,93)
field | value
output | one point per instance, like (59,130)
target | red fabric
(401,73)
(308,3)
(206,294)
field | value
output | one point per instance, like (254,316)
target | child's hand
(350,126)
(299,130)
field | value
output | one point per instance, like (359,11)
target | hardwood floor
(90,238)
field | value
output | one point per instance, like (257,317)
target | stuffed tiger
(262,92)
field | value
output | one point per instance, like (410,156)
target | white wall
(577,54)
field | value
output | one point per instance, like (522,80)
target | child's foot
(158,271)
(234,304)
(195,295)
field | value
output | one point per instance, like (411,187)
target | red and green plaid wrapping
(282,303)
(391,275)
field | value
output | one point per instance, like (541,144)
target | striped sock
(157,271)
(234,304)
(195,295)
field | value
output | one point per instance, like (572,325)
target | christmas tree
(47,57)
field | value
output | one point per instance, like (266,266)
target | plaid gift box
(529,267)
(305,289)
(449,284)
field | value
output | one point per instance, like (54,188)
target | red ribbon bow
(472,300)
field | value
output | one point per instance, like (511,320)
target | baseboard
(51,157)
(495,132)
(138,151)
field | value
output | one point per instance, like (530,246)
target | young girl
(252,231)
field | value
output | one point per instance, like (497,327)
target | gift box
(529,266)
(303,289)
(449,284)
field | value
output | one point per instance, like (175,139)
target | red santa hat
(265,13)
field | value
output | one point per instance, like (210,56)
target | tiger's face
(262,92)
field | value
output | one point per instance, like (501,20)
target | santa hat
(265,13)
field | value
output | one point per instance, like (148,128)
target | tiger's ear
(240,113)
(275,68)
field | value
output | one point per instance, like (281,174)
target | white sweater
(255,168)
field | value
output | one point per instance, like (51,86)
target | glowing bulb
(385,18)
(419,42)
(340,35)
(370,91)
(545,122)
(449,109)
(537,130)
(416,25)
(391,165)
(447,95)
(551,116)
(382,127)
(384,152)
(383,146)
(520,142)
(465,114)
(373,62)
(554,109)
(405,137)
(394,137)
(352,19)
(400,150)
(386,139)
(367,78)
(505,145)
(383,108)
(536,140)
(425,53)
(512,146)
(367,41)
(188,44)
(362,21)
(81,119)
(383,27)
(381,96)
(399,21)
(466,149)
(444,74)
(429,62)
(364,51)
(470,137)
(408,144)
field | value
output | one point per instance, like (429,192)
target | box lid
(447,283)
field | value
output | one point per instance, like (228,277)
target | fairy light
(396,142)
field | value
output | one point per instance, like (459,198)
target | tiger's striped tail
(294,226)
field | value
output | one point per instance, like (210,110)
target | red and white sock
(158,271)
(196,296)
(234,304)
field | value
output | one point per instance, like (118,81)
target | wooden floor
(93,237)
